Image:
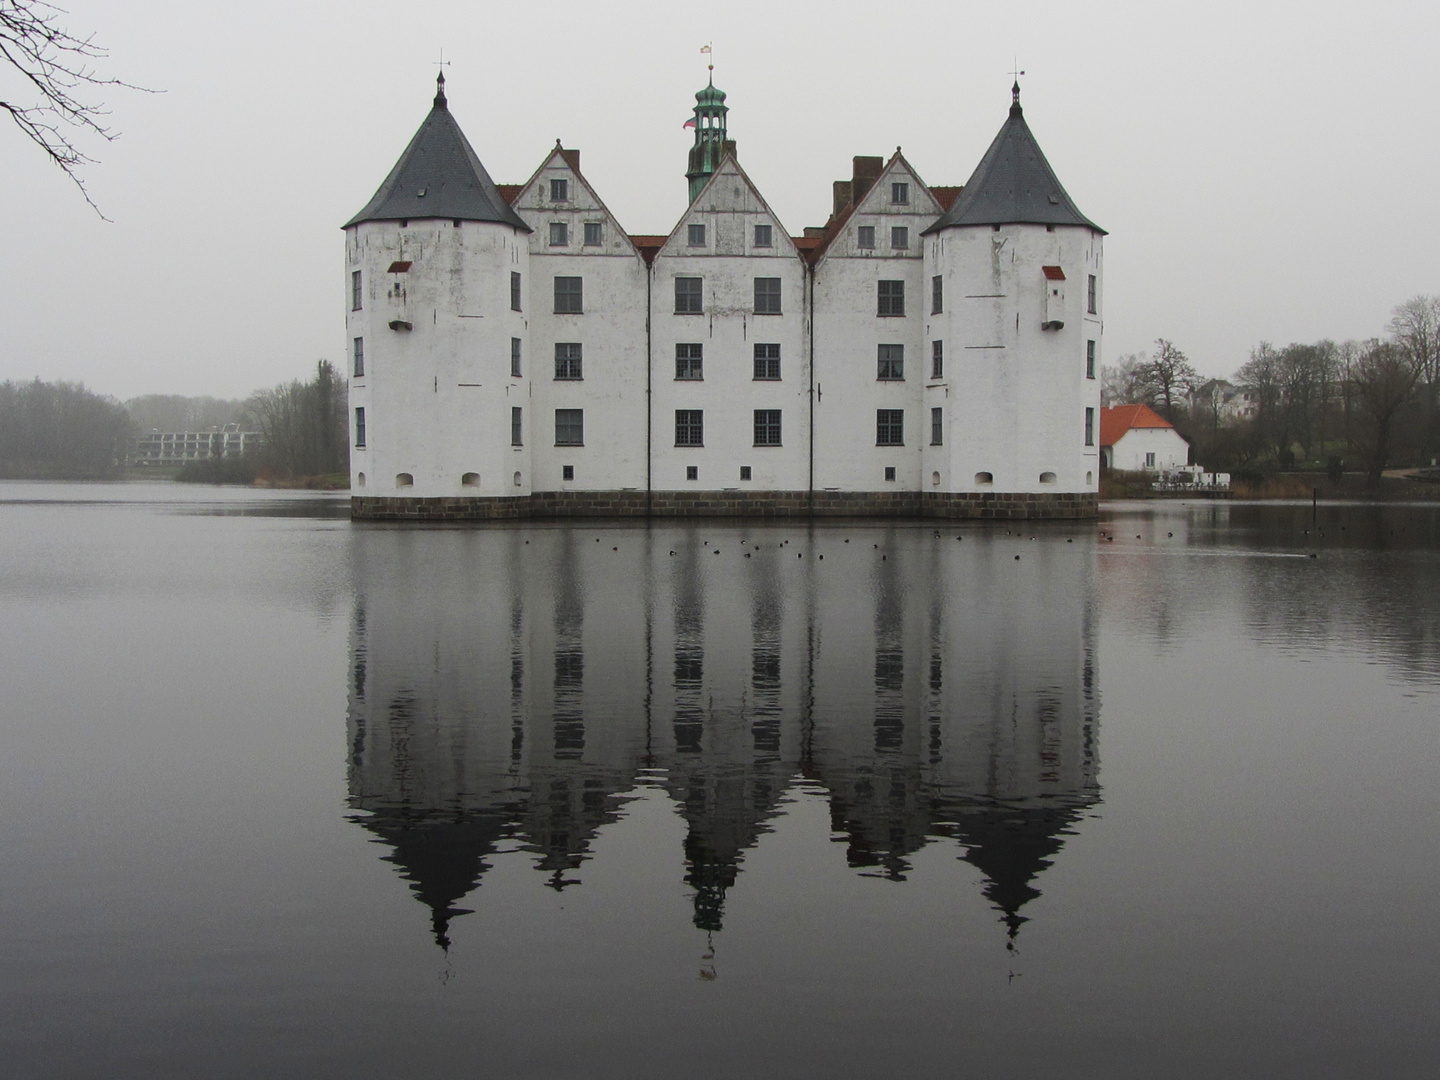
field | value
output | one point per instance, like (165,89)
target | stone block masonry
(974,506)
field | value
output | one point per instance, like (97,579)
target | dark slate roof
(1013,185)
(439,176)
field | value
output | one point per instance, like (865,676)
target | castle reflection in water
(511,685)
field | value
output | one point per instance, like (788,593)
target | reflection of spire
(442,857)
(1010,845)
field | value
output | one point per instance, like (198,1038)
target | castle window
(560,190)
(567,360)
(692,472)
(1090,296)
(688,297)
(890,363)
(767,361)
(515,358)
(690,428)
(762,236)
(567,472)
(767,427)
(569,295)
(355,293)
(1047,478)
(937,426)
(865,237)
(744,472)
(1089,427)
(889,472)
(516,414)
(594,233)
(404,480)
(569,427)
(470,479)
(937,295)
(689,360)
(937,359)
(514,291)
(889,427)
(559,234)
(359,358)
(984,479)
(1089,359)
(891,298)
(695,236)
(900,194)
(767,296)
(899,237)
(360,428)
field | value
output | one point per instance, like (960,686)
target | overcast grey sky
(1265,170)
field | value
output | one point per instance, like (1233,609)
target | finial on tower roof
(1015,88)
(440,102)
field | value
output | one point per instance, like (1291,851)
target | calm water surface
(285,796)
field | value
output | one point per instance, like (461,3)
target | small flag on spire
(689,124)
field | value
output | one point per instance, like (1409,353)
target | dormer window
(560,190)
(900,194)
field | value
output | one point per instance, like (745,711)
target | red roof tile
(1118,419)
(1053,273)
(648,246)
(510,192)
(945,196)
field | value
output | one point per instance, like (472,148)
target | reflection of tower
(732,756)
(454,747)
(980,713)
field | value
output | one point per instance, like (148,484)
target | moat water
(284,796)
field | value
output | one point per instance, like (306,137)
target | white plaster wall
(611,332)
(729,329)
(848,331)
(1170,449)
(437,397)
(1016,394)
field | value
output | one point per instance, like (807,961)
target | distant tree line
(1372,403)
(61,431)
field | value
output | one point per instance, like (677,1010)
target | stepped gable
(1013,184)
(439,176)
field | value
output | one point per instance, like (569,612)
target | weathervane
(442,62)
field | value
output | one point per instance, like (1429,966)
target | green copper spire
(709,148)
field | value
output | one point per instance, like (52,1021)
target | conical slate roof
(1013,185)
(439,176)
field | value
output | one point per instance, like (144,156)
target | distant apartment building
(178,447)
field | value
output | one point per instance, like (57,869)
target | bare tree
(1120,383)
(1384,377)
(55,69)
(1415,327)
(1168,377)
(1261,376)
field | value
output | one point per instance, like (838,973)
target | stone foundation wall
(978,506)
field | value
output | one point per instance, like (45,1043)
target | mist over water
(281,795)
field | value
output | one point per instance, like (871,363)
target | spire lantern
(440,102)
(710,136)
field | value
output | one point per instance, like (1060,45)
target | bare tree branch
(57,69)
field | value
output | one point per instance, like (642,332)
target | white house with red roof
(1135,438)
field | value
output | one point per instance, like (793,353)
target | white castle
(929,351)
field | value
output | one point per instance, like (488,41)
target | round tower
(1017,313)
(436,291)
